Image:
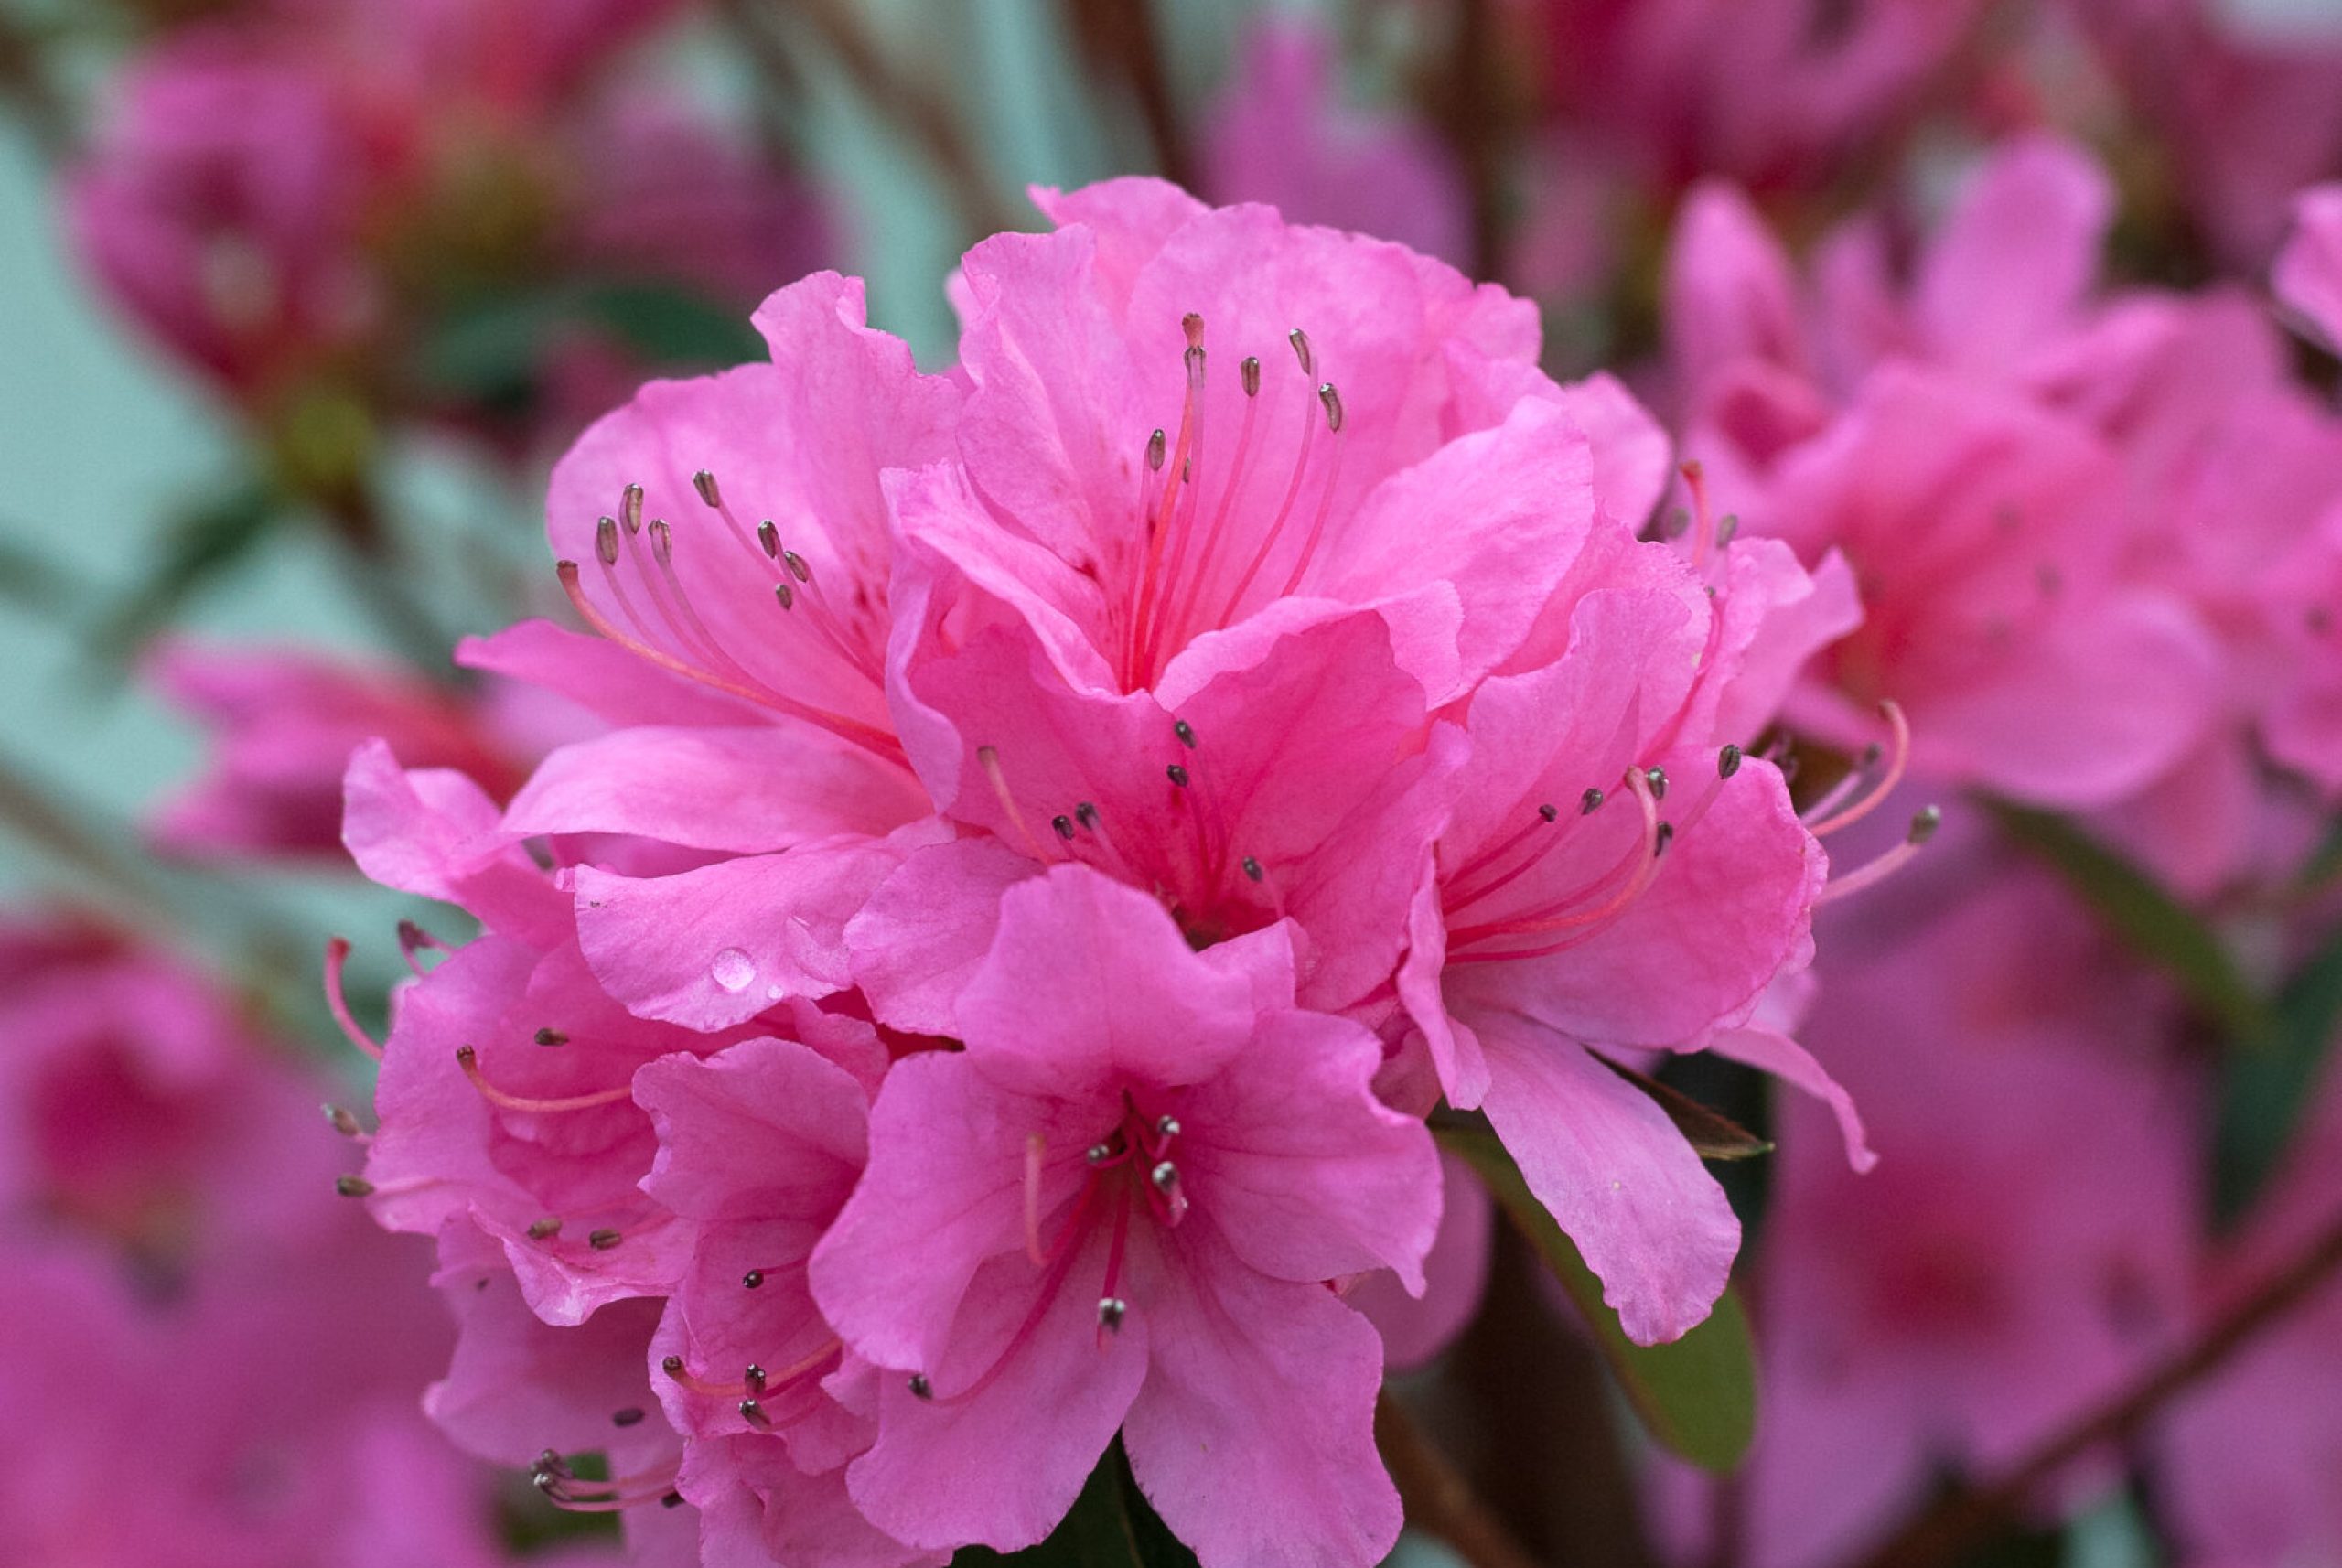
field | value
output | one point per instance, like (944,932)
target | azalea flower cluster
(1058,827)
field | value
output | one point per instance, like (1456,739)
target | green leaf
(1109,1526)
(671,325)
(2262,1092)
(201,543)
(1697,1396)
(2138,910)
(1712,1134)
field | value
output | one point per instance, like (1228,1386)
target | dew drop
(731,969)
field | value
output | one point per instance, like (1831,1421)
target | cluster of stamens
(673,635)
(1143,1145)
(1181,549)
(567,1490)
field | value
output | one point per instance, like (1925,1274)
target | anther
(754,1415)
(1099,1154)
(1167,1126)
(1176,774)
(1063,826)
(605,540)
(1185,731)
(1252,868)
(1111,1312)
(544,1229)
(550,1035)
(1165,1176)
(1726,527)
(1086,813)
(662,541)
(1924,823)
(1154,447)
(1660,839)
(630,1416)
(602,1240)
(630,508)
(754,1377)
(752,1278)
(1192,324)
(1302,351)
(1248,373)
(1727,762)
(796,564)
(768,538)
(786,595)
(671,1500)
(1589,802)
(920,1387)
(1550,811)
(705,483)
(671,1366)
(1332,401)
(1657,778)
(339,1119)
(353,1185)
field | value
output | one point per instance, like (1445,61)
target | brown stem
(1942,1534)
(1437,1498)
(917,106)
(1473,115)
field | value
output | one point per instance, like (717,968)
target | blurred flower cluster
(1570,789)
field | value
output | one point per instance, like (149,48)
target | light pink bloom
(1116,1209)
(2024,1244)
(1281,135)
(2308,273)
(286,721)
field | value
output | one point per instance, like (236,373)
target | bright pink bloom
(2021,1251)
(285,723)
(1116,1209)
(2308,273)
(1280,134)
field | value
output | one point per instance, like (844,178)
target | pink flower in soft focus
(1986,447)
(1116,1209)
(296,196)
(2245,117)
(181,1265)
(2308,273)
(1279,135)
(1774,93)
(135,1101)
(2024,1247)
(286,721)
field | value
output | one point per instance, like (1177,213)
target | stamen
(1169,514)
(1727,762)
(768,538)
(606,542)
(603,1240)
(353,1186)
(1164,1179)
(1642,858)
(1332,402)
(342,1121)
(1898,757)
(1036,1146)
(630,508)
(1923,828)
(1302,351)
(413,940)
(549,1036)
(1590,802)
(1703,533)
(337,1003)
(752,1280)
(467,1057)
(544,1229)
(988,758)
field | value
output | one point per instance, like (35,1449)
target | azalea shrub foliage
(1572,793)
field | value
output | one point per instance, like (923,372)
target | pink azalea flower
(285,723)
(2009,1265)
(1280,134)
(1979,445)
(1110,1212)
(2308,273)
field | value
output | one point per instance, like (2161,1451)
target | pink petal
(1253,1436)
(2012,267)
(1768,1050)
(921,934)
(1614,1172)
(1456,1271)
(2308,273)
(601,677)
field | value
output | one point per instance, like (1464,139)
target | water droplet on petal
(731,969)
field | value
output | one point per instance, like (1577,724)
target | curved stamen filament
(1923,828)
(468,1058)
(338,1002)
(1462,899)
(1179,482)
(1821,822)
(1179,620)
(1640,863)
(1036,1147)
(1309,417)
(988,758)
(1068,1247)
(1332,402)
(1703,517)
(1110,1318)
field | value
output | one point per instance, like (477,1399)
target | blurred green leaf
(671,325)
(1712,1134)
(31,581)
(1109,1526)
(491,348)
(2147,919)
(2262,1092)
(202,542)
(1697,1396)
